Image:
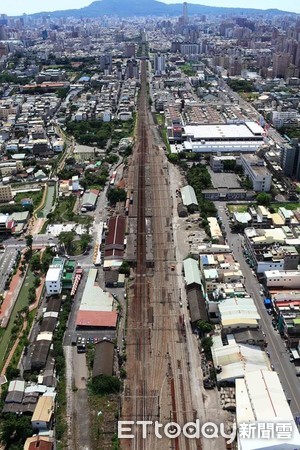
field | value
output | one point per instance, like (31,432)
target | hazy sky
(15,7)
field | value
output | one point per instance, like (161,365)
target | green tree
(263,199)
(204,326)
(37,282)
(15,429)
(31,295)
(12,372)
(173,157)
(85,240)
(112,159)
(62,92)
(29,241)
(66,238)
(125,268)
(35,262)
(46,259)
(115,195)
(207,343)
(105,384)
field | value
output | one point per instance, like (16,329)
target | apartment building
(258,174)
(5,193)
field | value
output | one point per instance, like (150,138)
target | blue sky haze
(17,7)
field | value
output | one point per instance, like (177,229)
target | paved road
(6,263)
(39,239)
(279,354)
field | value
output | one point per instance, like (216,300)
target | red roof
(41,445)
(114,243)
(282,303)
(103,319)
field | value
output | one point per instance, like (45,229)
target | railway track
(157,386)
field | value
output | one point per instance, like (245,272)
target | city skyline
(18,7)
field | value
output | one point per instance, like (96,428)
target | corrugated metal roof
(191,271)
(16,385)
(95,319)
(44,409)
(188,196)
(260,399)
(237,359)
(94,298)
(89,198)
(238,310)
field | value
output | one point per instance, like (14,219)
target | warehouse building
(89,199)
(197,305)
(96,308)
(236,360)
(39,442)
(260,399)
(191,273)
(104,358)
(115,242)
(189,198)
(244,137)
(238,313)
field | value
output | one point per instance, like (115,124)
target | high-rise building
(281,62)
(132,70)
(129,51)
(189,49)
(3,34)
(185,18)
(290,160)
(159,63)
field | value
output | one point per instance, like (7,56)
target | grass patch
(104,424)
(23,341)
(160,119)
(36,197)
(63,211)
(238,208)
(163,132)
(8,338)
(290,206)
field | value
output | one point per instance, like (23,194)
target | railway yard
(158,358)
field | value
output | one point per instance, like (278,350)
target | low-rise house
(89,199)
(43,414)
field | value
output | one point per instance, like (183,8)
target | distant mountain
(127,8)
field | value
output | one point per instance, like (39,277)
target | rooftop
(261,399)
(93,297)
(236,309)
(101,319)
(237,360)
(225,131)
(191,271)
(188,196)
(44,409)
